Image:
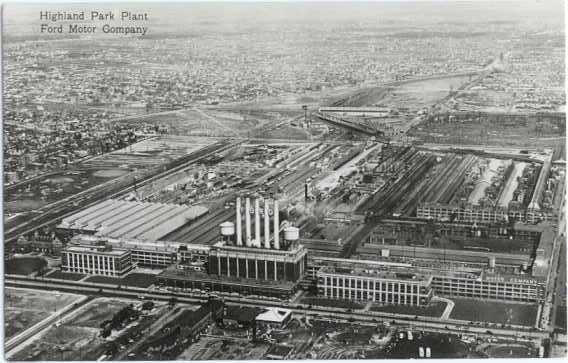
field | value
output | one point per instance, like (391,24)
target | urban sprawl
(315,190)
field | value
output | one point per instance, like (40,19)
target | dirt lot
(24,308)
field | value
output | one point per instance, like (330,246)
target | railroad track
(111,189)
(421,322)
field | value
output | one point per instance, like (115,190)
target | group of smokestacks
(249,241)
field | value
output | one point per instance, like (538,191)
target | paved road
(422,323)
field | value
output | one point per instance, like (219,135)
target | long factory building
(130,220)
(536,211)
(404,283)
(259,255)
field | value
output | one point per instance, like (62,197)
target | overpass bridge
(354,126)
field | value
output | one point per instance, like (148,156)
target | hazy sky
(181,17)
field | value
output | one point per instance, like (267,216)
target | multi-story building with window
(386,287)
(485,285)
(98,259)
(258,264)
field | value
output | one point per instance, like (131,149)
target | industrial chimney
(257,238)
(266,225)
(239,223)
(247,223)
(276,226)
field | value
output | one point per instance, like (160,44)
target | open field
(205,121)
(25,308)
(147,153)
(98,311)
(494,312)
(132,279)
(415,95)
(407,95)
(35,194)
(24,265)
(61,275)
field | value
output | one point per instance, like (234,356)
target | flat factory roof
(132,220)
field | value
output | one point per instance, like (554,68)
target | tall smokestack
(247,222)
(239,223)
(276,226)
(266,225)
(257,238)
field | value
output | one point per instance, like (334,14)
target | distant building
(99,259)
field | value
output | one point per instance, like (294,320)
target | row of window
(484,284)
(392,298)
(90,261)
(89,270)
(368,284)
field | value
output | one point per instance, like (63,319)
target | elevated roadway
(354,126)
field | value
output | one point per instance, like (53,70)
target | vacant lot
(24,308)
(77,338)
